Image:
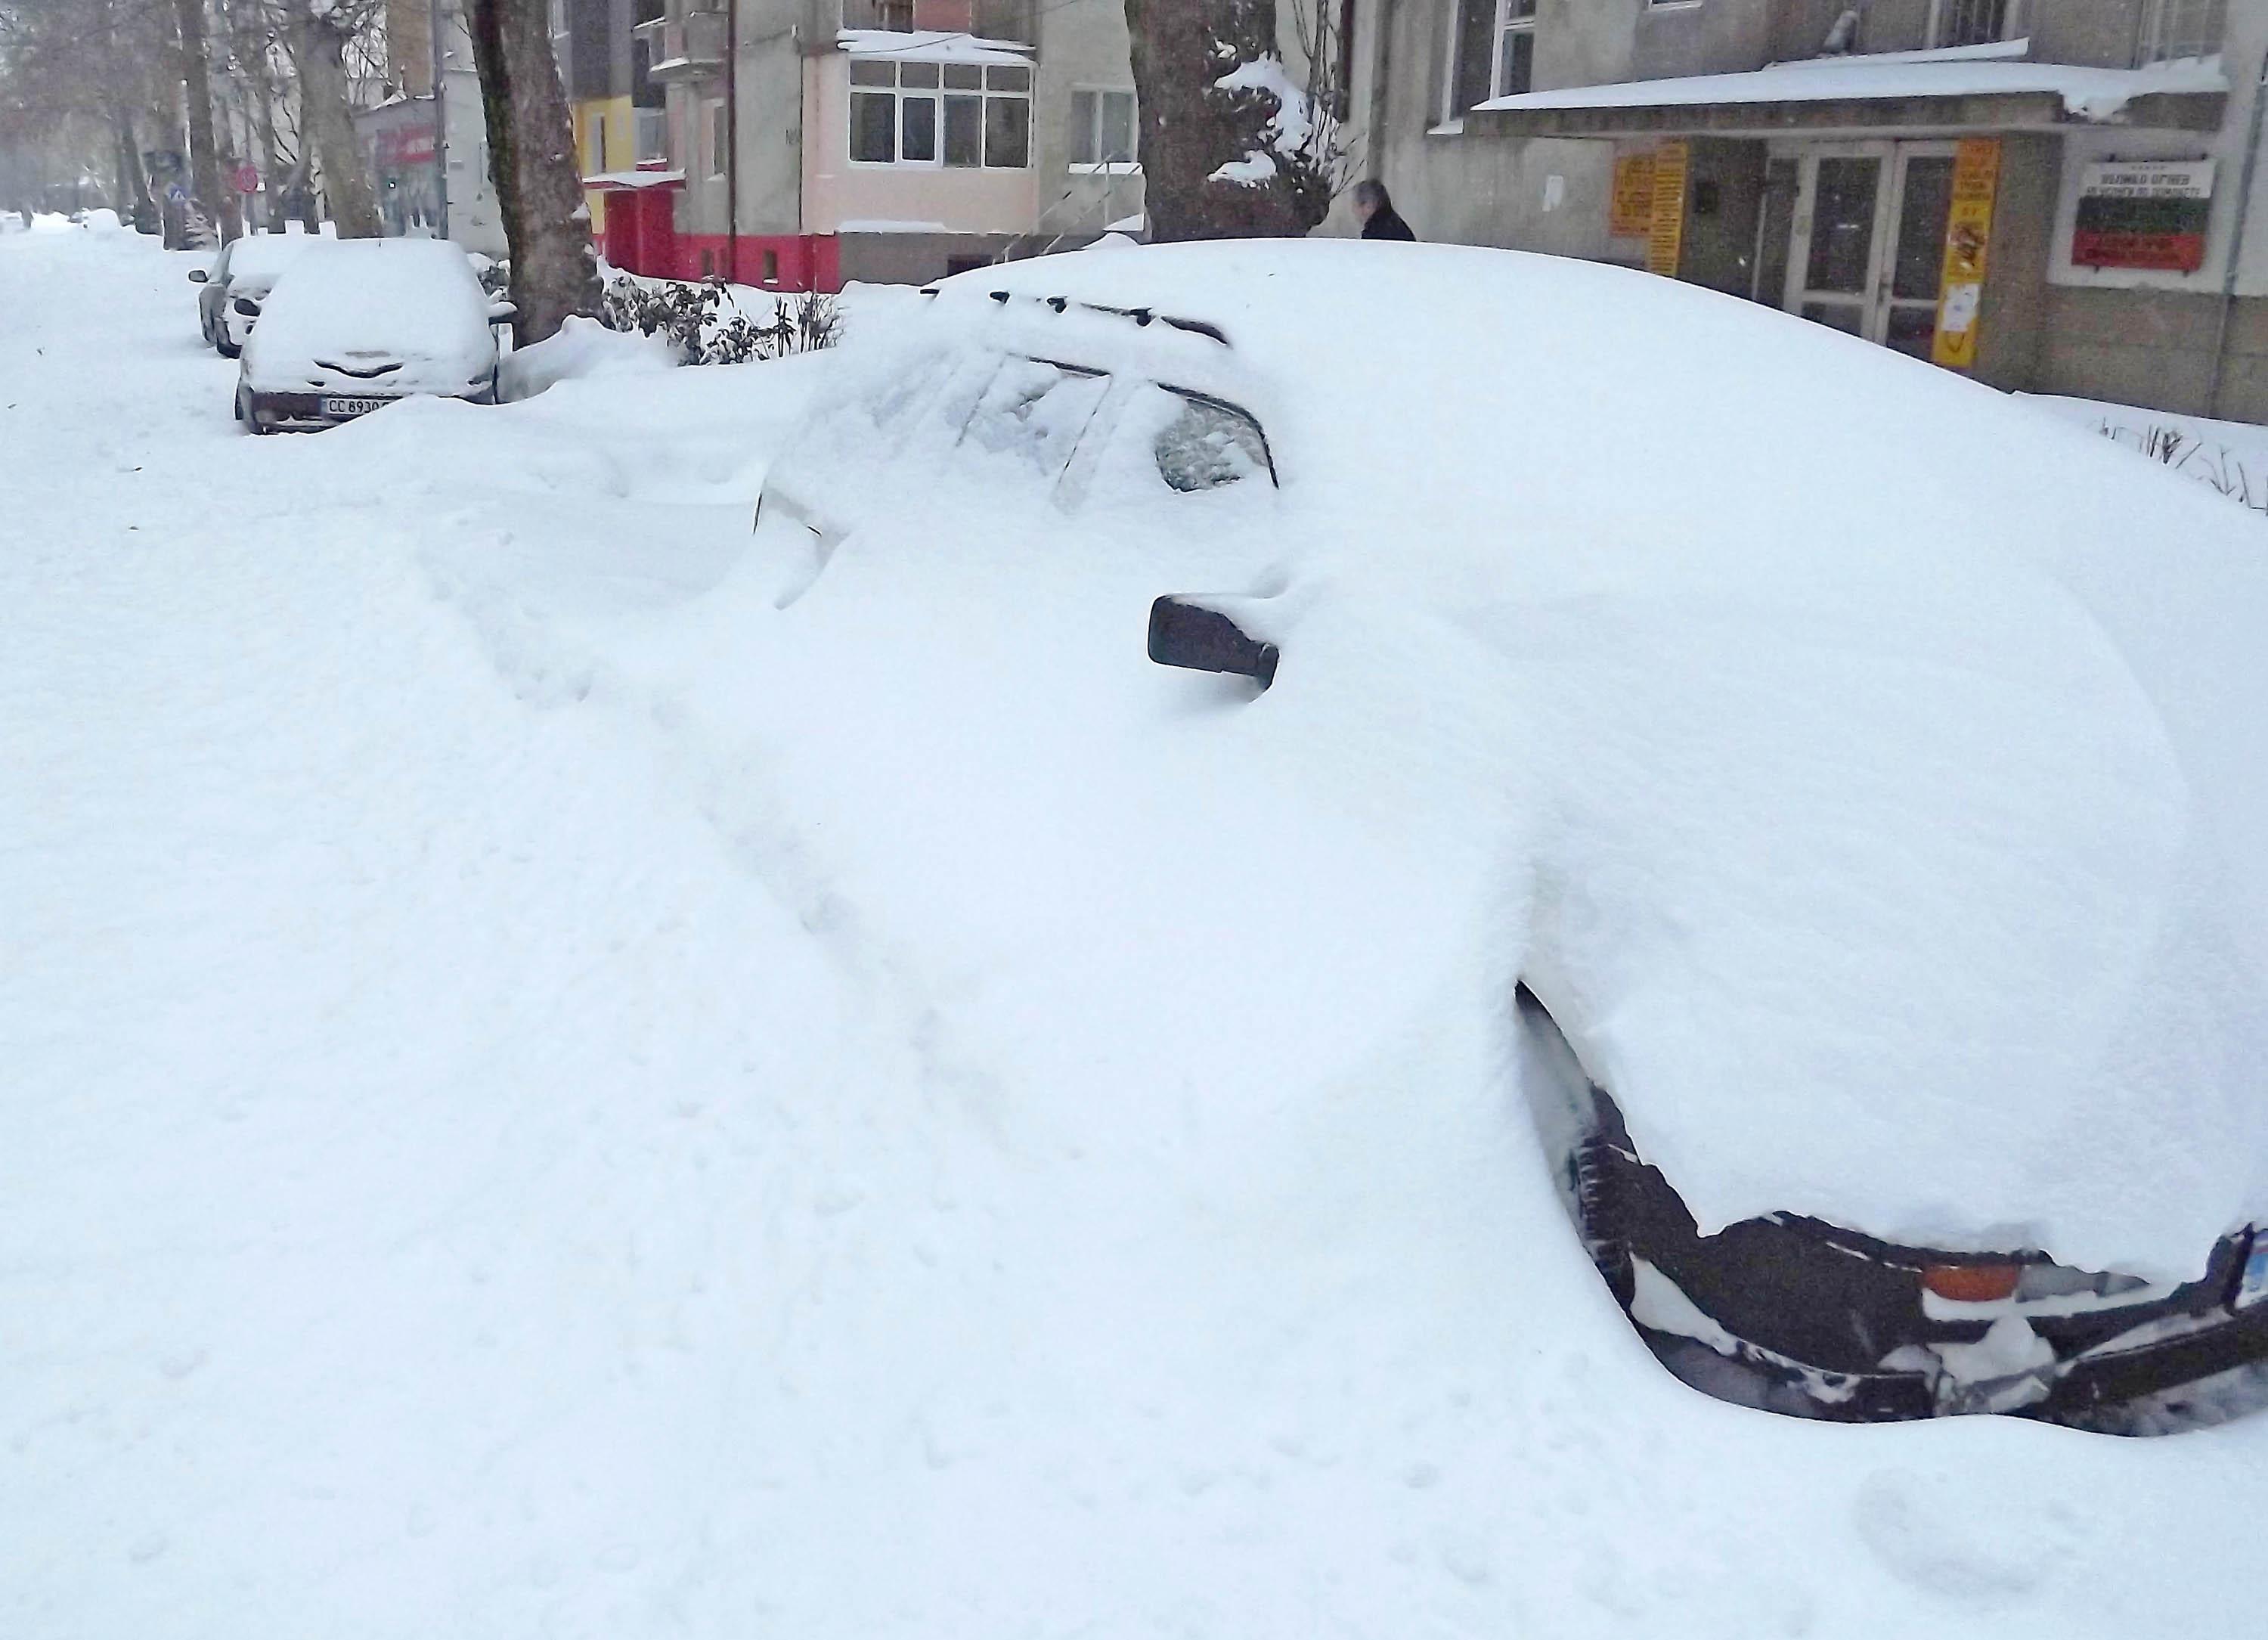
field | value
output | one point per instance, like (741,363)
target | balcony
(988,19)
(687,45)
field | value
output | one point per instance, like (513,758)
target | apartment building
(614,103)
(813,142)
(2050,194)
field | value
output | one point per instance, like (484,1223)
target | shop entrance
(1865,237)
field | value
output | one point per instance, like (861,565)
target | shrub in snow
(2183,452)
(705,324)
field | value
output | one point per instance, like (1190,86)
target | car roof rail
(1139,315)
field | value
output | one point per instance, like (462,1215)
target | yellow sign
(1968,245)
(1632,214)
(1664,236)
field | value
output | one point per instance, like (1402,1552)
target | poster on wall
(1968,242)
(1632,215)
(1665,241)
(2149,214)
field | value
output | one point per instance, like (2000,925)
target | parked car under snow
(1891,975)
(355,325)
(239,282)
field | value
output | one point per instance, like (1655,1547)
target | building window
(1973,22)
(720,139)
(962,114)
(1515,48)
(595,144)
(1101,127)
(1493,53)
(2173,29)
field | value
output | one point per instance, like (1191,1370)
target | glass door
(1868,246)
(1838,236)
(1922,193)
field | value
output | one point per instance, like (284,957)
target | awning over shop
(1903,92)
(631,181)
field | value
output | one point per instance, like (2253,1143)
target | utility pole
(437,25)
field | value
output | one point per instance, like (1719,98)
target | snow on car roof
(1898,797)
(413,295)
(265,255)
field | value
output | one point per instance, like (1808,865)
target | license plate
(353,407)
(2254,1288)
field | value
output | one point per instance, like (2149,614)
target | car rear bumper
(309,410)
(2080,1389)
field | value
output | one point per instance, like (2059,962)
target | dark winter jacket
(1386,224)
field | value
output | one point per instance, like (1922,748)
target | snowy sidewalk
(472,1165)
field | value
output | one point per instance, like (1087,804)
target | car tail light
(1971,1283)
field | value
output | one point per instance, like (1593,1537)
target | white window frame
(1943,14)
(1108,167)
(716,132)
(1501,24)
(1510,21)
(2168,26)
(900,93)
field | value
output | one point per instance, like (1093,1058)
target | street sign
(175,192)
(246,180)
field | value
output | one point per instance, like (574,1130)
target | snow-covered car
(1887,970)
(354,325)
(241,277)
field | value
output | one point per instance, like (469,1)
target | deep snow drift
(501,1142)
(1899,845)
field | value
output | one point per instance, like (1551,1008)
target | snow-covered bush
(706,325)
(2183,452)
(583,348)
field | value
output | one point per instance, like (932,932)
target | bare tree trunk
(1276,181)
(319,49)
(204,162)
(134,202)
(532,162)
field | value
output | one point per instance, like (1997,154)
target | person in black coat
(1380,219)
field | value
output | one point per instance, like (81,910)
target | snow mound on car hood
(412,300)
(1895,768)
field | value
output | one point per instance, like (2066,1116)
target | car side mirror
(198,276)
(245,305)
(1187,634)
(500,311)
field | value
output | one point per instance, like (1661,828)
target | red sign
(2160,253)
(403,147)
(246,180)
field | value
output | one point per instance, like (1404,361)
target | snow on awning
(928,46)
(1936,90)
(635,179)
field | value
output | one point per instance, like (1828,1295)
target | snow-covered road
(471,1164)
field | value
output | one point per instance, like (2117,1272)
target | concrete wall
(1476,191)
(1723,188)
(913,259)
(2099,33)
(2015,316)
(1715,37)
(1082,46)
(2155,349)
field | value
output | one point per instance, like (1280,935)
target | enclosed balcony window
(958,114)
